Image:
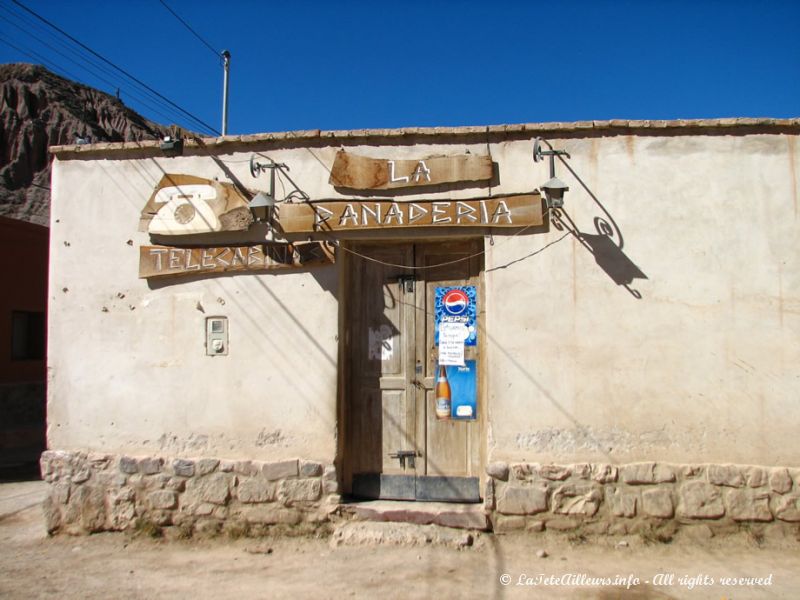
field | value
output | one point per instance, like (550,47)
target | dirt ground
(119,565)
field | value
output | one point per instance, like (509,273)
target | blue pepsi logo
(455,302)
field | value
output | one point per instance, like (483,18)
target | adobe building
(23,307)
(249,330)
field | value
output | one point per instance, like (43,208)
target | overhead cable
(118,68)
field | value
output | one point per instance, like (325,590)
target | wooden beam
(521,210)
(163,261)
(364,173)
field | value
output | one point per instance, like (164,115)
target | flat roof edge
(576,126)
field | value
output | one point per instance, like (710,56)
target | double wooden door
(395,446)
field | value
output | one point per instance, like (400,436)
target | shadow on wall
(605,245)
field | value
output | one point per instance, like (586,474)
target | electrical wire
(90,68)
(193,118)
(185,24)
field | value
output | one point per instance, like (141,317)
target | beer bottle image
(442,400)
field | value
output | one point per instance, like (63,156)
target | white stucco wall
(701,368)
(704,366)
(127,364)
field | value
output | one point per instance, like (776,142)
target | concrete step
(445,514)
(371,533)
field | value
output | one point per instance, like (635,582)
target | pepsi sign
(457,304)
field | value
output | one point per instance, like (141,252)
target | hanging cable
(120,69)
(185,24)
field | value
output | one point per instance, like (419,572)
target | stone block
(787,508)
(329,473)
(92,502)
(255,490)
(204,509)
(604,473)
(562,524)
(183,468)
(498,470)
(534,525)
(553,472)
(580,499)
(60,492)
(658,503)
(780,481)
(81,472)
(268,515)
(755,477)
(622,504)
(581,470)
(226,466)
(280,470)
(121,509)
(330,487)
(748,505)
(310,469)
(205,466)
(207,527)
(488,494)
(728,475)
(522,500)
(52,514)
(245,467)
(177,484)
(700,500)
(521,471)
(646,473)
(162,499)
(160,516)
(505,524)
(299,490)
(214,488)
(128,465)
(151,466)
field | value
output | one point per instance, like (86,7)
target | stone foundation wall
(99,492)
(620,499)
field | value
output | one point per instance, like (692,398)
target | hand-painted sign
(456,305)
(520,210)
(364,173)
(162,261)
(463,390)
(185,204)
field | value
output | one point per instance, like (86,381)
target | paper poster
(451,343)
(464,390)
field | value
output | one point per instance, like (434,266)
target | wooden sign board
(162,261)
(364,173)
(185,204)
(521,210)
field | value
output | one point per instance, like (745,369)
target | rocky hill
(40,109)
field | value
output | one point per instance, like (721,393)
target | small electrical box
(217,336)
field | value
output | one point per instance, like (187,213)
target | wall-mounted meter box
(217,336)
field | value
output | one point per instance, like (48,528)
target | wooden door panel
(381,354)
(451,446)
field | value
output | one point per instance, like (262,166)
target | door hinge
(407,282)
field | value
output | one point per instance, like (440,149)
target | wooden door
(396,448)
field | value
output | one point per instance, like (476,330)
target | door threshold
(424,488)
(445,514)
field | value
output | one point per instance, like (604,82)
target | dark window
(27,335)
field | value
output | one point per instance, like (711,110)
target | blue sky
(343,65)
